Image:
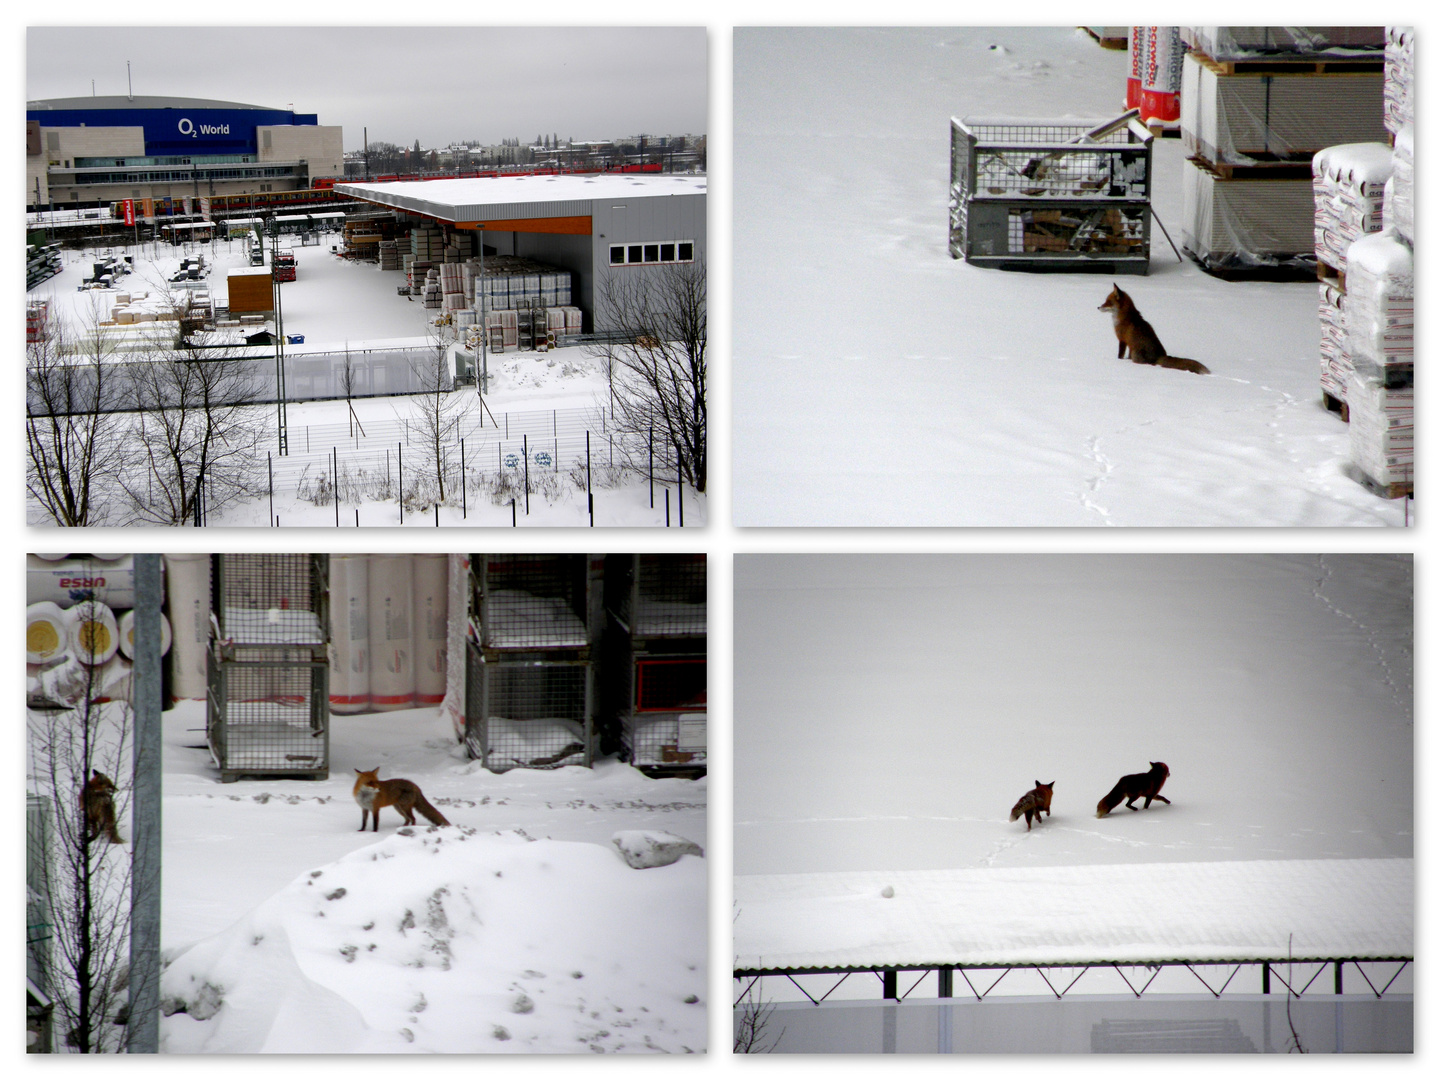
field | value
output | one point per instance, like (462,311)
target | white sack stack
(1349,186)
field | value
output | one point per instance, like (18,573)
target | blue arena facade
(83,151)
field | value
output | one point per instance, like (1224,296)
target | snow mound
(446,941)
(645,848)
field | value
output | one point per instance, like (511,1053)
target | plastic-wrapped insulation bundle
(1382,432)
(349,633)
(392,638)
(1160,75)
(1400,199)
(1138,42)
(431,628)
(1399,77)
(1243,42)
(187,580)
(1336,368)
(1380,309)
(1349,186)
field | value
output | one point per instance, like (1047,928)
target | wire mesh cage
(530,660)
(529,602)
(664,724)
(1050,194)
(268,673)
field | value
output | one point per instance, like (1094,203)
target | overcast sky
(435,84)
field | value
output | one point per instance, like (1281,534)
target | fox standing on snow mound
(1033,802)
(1139,336)
(1144,785)
(404,795)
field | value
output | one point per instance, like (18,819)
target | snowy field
(336,303)
(879,382)
(890,710)
(521,930)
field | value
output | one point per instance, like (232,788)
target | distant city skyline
(441,85)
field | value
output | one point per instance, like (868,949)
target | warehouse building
(169,152)
(587,224)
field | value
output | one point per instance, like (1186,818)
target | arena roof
(118,101)
(477,199)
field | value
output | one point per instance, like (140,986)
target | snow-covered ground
(890,710)
(521,929)
(879,382)
(336,303)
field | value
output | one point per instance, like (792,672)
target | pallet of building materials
(1379,310)
(1336,368)
(1251,46)
(1349,184)
(1382,436)
(1246,228)
(1399,77)
(1400,191)
(1275,118)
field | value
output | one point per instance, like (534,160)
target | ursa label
(82,583)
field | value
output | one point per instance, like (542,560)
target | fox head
(1160,767)
(100,782)
(1116,301)
(369,777)
(1043,793)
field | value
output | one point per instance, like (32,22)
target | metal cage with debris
(1071,195)
(268,674)
(530,660)
(663,616)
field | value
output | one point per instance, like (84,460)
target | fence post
(400,475)
(335,481)
(270,479)
(463,508)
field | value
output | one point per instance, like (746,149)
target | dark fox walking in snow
(1144,785)
(1032,803)
(98,800)
(1139,337)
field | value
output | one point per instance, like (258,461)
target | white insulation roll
(349,633)
(431,627)
(188,595)
(392,638)
(94,634)
(46,634)
(127,634)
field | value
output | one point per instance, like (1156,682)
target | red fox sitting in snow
(404,795)
(1139,337)
(1144,785)
(1033,802)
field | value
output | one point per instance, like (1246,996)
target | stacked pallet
(427,243)
(1257,103)
(1380,334)
(1399,77)
(452,286)
(1400,190)
(41,261)
(389,255)
(1349,184)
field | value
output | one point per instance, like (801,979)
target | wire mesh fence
(458,460)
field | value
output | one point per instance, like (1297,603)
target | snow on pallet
(1200,911)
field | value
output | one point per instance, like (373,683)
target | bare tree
(437,413)
(72,432)
(657,357)
(79,874)
(197,433)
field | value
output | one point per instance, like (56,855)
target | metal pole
(400,476)
(142,1032)
(463,510)
(525,449)
(335,481)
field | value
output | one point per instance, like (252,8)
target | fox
(1033,803)
(372,793)
(1139,337)
(1144,785)
(97,799)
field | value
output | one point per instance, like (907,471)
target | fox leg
(1163,799)
(1121,354)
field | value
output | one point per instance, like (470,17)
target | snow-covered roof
(1204,911)
(479,198)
